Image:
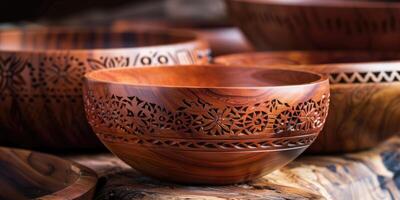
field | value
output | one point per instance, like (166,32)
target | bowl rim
(328,67)
(322,78)
(325,3)
(188,38)
(85,183)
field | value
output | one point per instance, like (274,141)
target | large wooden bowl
(365,94)
(32,175)
(318,24)
(206,124)
(41,74)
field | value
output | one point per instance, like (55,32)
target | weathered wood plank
(373,174)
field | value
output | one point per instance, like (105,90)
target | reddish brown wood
(41,74)
(365,93)
(27,175)
(223,39)
(312,24)
(206,124)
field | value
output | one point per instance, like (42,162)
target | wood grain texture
(27,175)
(41,74)
(310,24)
(365,93)
(369,175)
(205,124)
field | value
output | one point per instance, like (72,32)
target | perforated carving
(58,77)
(134,116)
(11,77)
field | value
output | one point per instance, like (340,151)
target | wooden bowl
(41,73)
(205,124)
(312,24)
(223,38)
(32,175)
(365,94)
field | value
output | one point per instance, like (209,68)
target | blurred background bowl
(223,38)
(206,124)
(365,93)
(312,24)
(32,175)
(41,74)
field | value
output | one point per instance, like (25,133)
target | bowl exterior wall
(198,167)
(361,116)
(364,102)
(271,25)
(40,93)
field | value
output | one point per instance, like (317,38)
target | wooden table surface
(373,174)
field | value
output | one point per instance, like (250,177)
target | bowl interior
(204,76)
(26,175)
(63,39)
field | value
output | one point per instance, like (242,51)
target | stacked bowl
(222,38)
(318,24)
(365,93)
(359,39)
(41,75)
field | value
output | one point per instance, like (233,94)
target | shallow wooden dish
(205,124)
(316,24)
(365,93)
(32,175)
(41,74)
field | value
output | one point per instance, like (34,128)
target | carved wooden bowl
(205,124)
(41,73)
(365,94)
(313,24)
(32,175)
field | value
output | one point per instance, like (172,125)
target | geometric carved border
(365,77)
(211,145)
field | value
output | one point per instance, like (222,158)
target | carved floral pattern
(11,78)
(203,119)
(108,62)
(60,76)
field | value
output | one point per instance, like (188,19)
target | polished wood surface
(365,93)
(206,124)
(371,175)
(41,74)
(32,175)
(312,24)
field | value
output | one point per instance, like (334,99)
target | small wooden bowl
(32,175)
(312,24)
(41,74)
(364,109)
(205,124)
